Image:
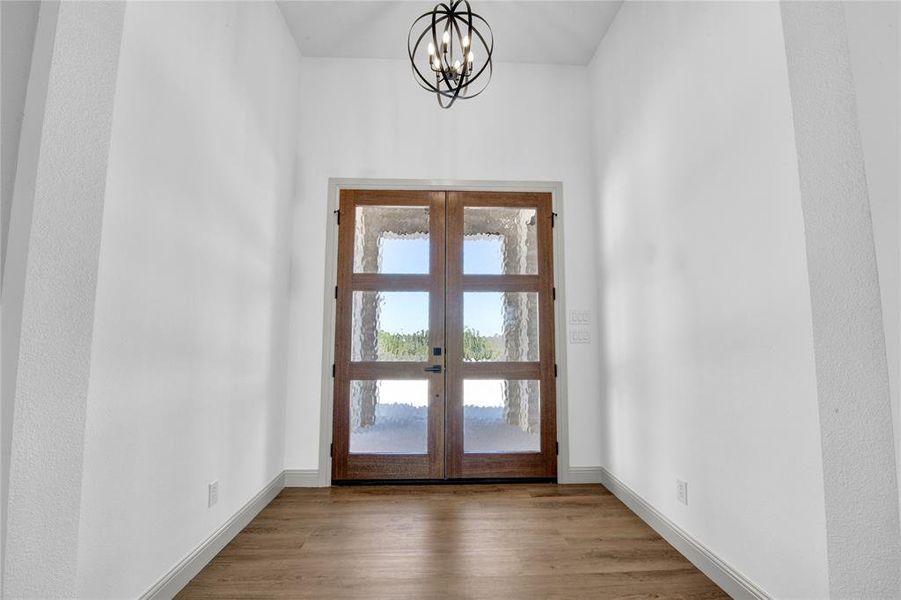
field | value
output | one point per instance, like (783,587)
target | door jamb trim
(335,185)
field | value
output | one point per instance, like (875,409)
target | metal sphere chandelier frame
(450,36)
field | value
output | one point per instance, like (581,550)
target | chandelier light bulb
(457,65)
(466,41)
(470,58)
(446,37)
(431,49)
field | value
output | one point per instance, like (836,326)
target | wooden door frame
(555,188)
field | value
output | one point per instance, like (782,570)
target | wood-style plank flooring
(522,541)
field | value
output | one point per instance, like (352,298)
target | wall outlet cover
(682,491)
(212,493)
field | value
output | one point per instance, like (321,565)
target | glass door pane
(501,416)
(391,239)
(500,240)
(500,326)
(389,416)
(390,326)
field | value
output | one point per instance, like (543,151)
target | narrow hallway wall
(187,369)
(706,303)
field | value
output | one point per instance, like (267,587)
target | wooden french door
(444,353)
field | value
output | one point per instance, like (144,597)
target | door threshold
(482,481)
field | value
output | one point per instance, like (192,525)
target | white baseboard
(724,575)
(581,475)
(302,478)
(179,576)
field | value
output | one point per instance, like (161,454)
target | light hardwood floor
(519,541)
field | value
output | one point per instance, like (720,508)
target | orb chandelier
(451,55)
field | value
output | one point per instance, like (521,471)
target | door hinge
(555,369)
(333,370)
(336,292)
(338,220)
(331,449)
(553,219)
(553,293)
(558,448)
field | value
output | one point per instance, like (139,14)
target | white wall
(19,23)
(187,365)
(368,118)
(18,28)
(860,489)
(875,62)
(50,285)
(709,347)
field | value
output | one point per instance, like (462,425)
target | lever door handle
(433,369)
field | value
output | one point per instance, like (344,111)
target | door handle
(433,369)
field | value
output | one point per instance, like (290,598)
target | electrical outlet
(682,491)
(212,493)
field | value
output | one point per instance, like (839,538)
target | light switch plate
(579,334)
(579,317)
(579,327)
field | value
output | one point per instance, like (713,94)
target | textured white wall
(859,473)
(19,24)
(368,118)
(875,65)
(57,316)
(187,372)
(709,348)
(21,142)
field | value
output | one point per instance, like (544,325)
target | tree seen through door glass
(500,326)
(390,326)
(394,326)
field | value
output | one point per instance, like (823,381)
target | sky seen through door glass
(482,256)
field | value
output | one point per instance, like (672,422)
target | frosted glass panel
(501,416)
(500,241)
(500,326)
(391,239)
(390,326)
(389,416)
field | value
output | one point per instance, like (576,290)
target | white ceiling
(561,32)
